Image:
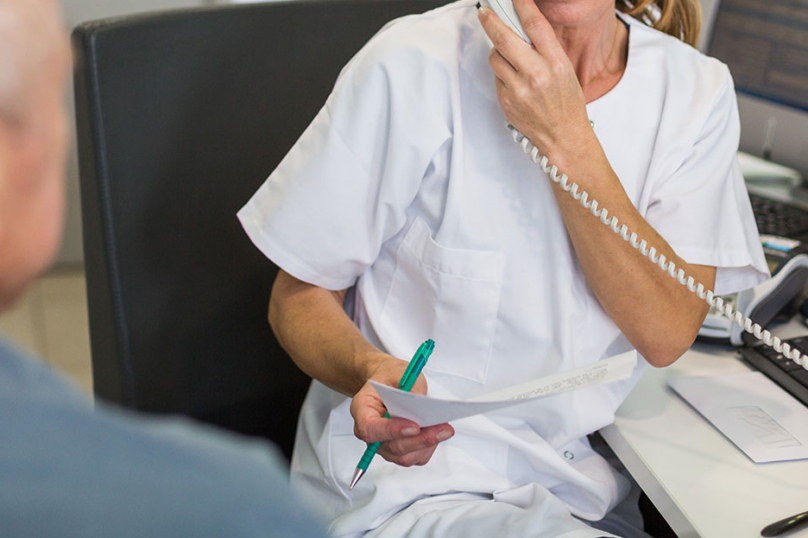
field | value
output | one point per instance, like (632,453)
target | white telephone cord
(668,266)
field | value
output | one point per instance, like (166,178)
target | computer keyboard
(779,218)
(785,372)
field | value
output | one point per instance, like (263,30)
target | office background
(51,320)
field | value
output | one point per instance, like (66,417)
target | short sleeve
(702,209)
(345,186)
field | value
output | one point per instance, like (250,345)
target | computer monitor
(765,45)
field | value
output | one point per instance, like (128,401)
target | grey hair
(31,32)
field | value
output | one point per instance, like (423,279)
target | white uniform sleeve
(345,186)
(703,211)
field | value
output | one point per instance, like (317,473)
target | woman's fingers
(503,70)
(512,47)
(536,84)
(511,57)
(428,438)
(416,450)
(403,441)
(536,27)
(420,457)
(370,425)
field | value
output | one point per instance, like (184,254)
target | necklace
(608,58)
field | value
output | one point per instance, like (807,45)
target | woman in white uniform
(406,212)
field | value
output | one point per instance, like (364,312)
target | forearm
(312,327)
(539,91)
(658,315)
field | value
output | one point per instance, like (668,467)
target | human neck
(597,49)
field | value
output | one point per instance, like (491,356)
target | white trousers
(527,512)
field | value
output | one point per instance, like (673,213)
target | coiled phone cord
(650,252)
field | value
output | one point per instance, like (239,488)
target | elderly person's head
(34,63)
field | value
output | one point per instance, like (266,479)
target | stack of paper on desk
(427,411)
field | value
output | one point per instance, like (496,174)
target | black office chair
(181,116)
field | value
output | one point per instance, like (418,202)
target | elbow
(663,346)
(662,352)
(660,358)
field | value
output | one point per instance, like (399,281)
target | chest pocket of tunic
(447,294)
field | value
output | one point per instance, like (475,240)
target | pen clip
(416,358)
(416,365)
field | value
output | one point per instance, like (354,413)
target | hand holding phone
(513,62)
(536,83)
(506,12)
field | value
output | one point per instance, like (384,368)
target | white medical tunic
(408,186)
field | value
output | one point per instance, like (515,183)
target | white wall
(77,11)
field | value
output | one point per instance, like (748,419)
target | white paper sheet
(427,411)
(759,417)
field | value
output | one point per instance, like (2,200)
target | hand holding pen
(402,441)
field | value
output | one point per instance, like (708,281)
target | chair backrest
(181,116)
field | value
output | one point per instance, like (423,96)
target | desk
(696,478)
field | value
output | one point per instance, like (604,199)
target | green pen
(407,381)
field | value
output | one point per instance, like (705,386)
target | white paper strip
(427,411)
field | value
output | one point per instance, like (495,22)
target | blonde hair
(31,32)
(679,18)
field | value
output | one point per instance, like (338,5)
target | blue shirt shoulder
(70,468)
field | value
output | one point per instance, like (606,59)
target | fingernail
(443,435)
(409,432)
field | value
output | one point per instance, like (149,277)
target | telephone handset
(506,12)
